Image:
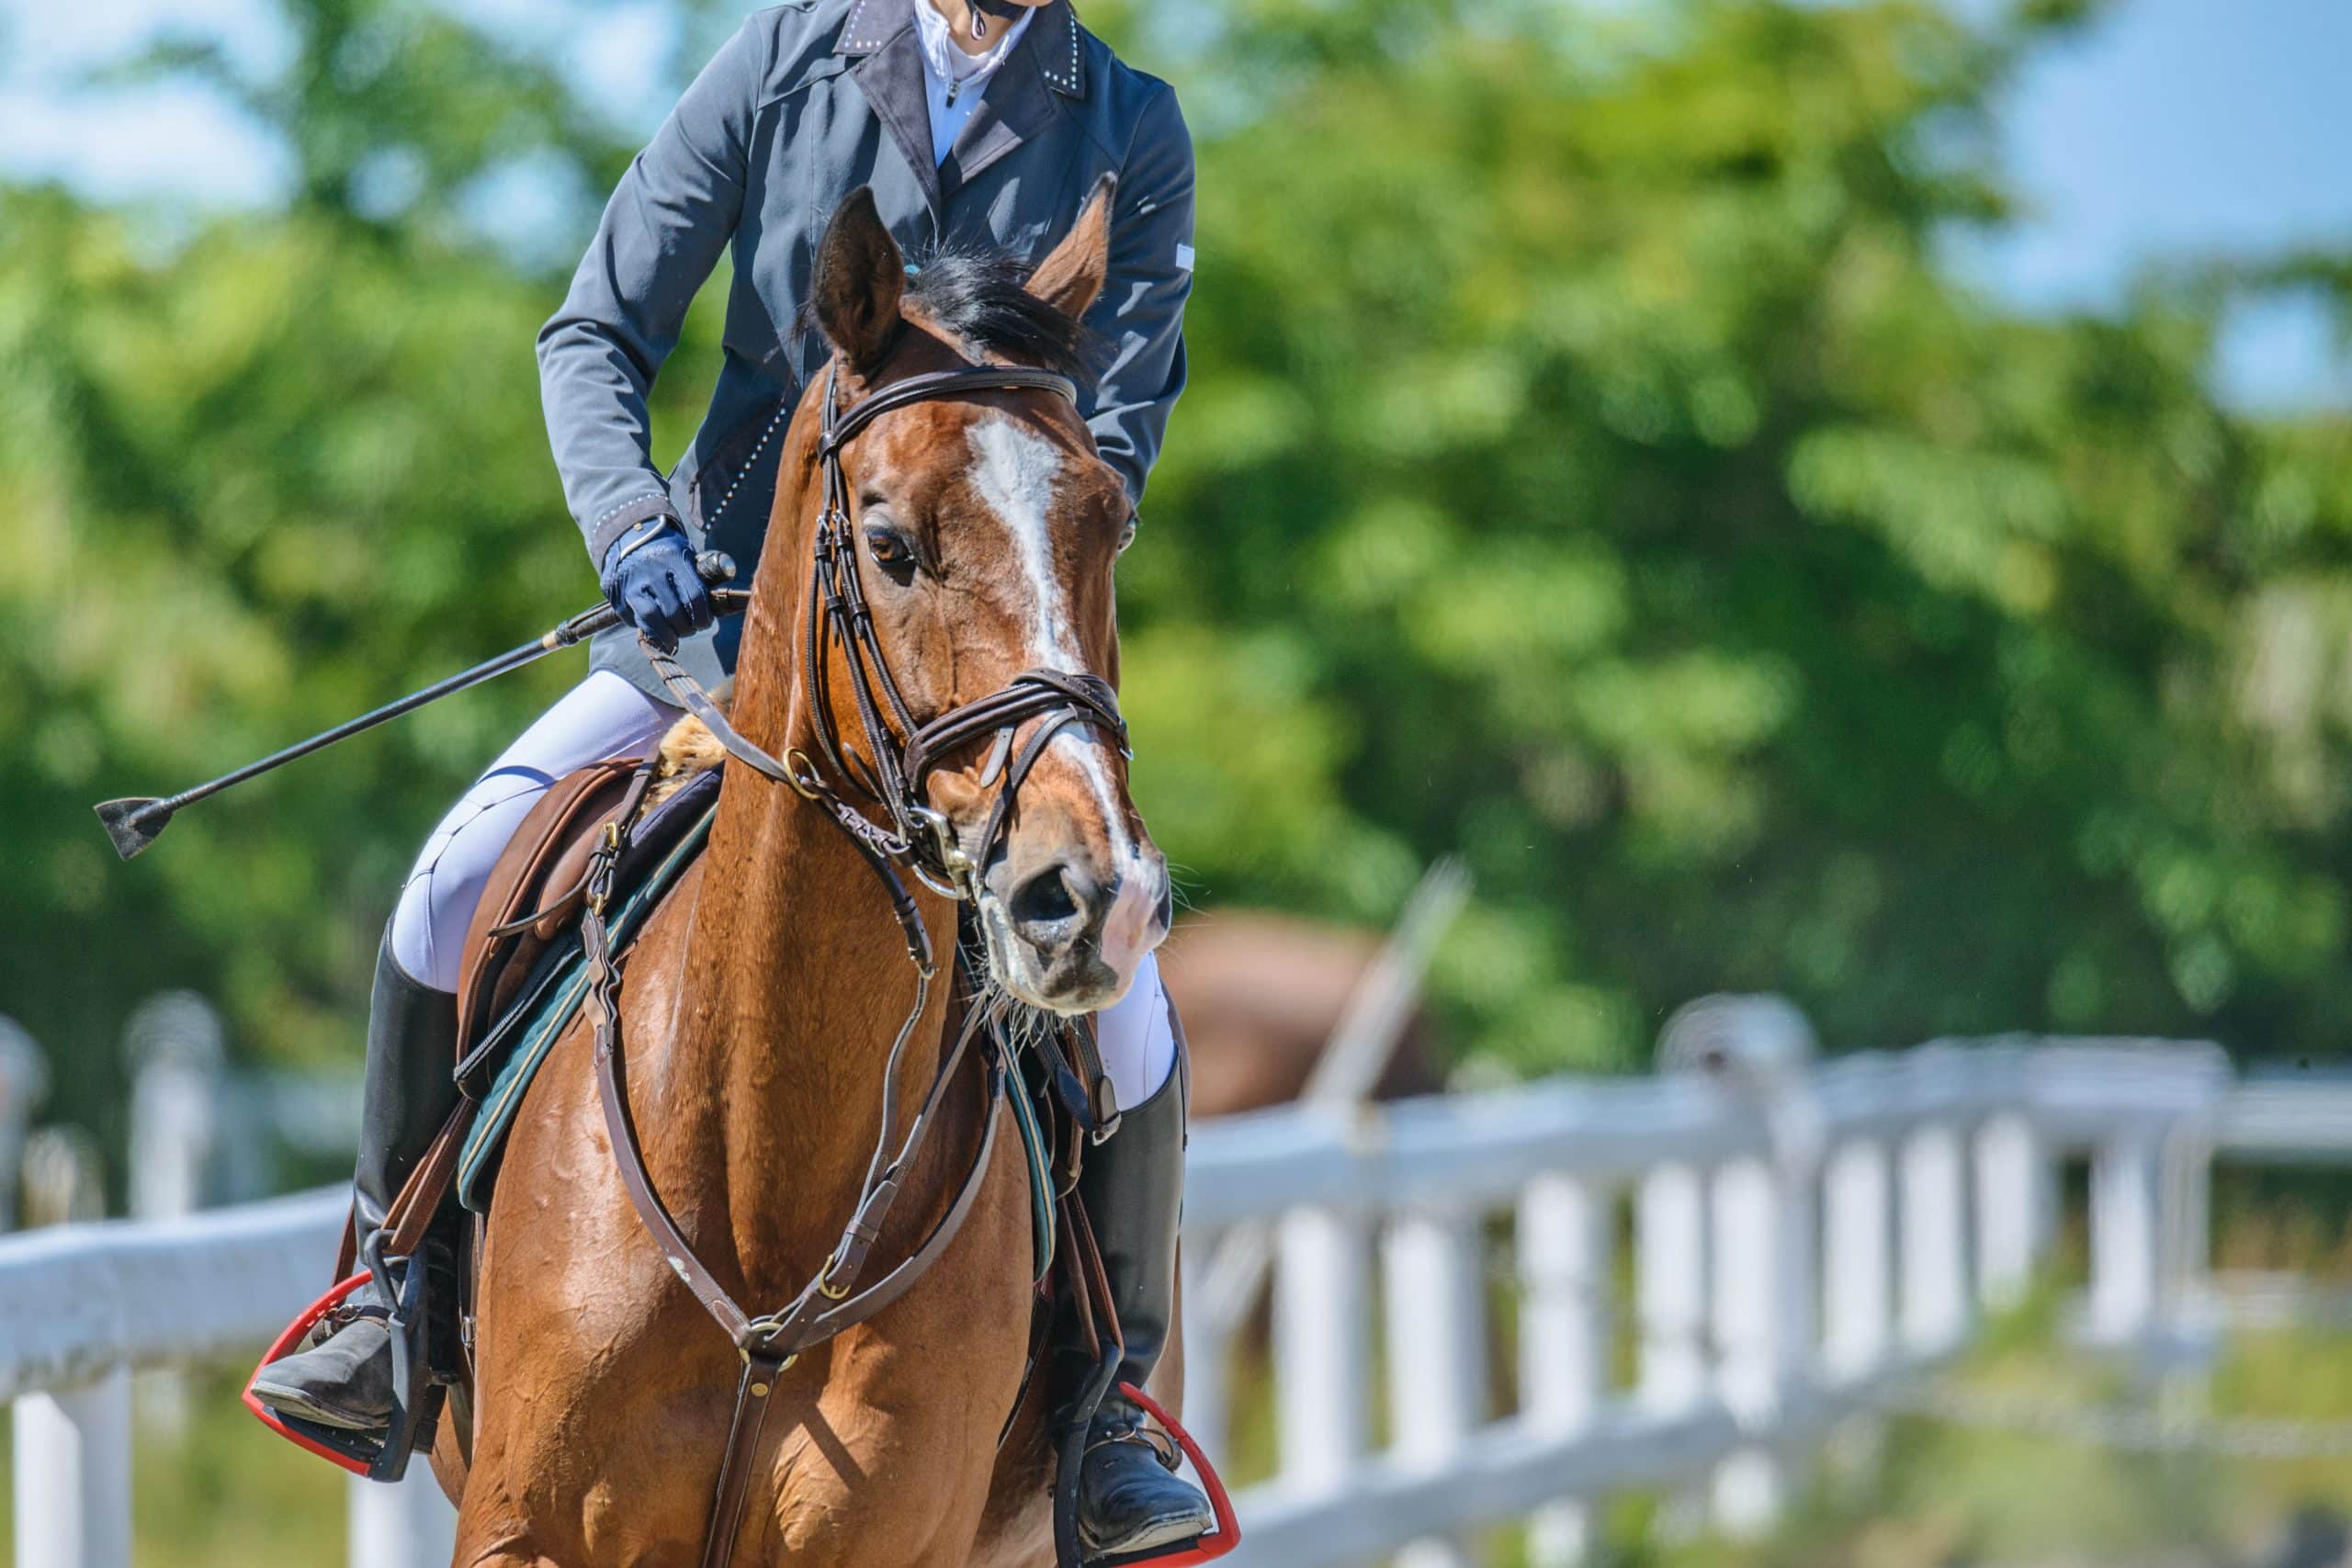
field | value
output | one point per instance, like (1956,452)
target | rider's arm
(1142,313)
(662,234)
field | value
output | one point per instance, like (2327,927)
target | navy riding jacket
(805,102)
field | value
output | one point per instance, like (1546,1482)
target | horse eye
(890,551)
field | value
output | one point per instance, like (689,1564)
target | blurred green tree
(1593,467)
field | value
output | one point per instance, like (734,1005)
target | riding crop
(136,821)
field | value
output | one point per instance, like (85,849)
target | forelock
(980,297)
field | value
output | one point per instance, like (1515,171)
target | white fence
(1795,1235)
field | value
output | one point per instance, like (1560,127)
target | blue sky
(2184,129)
(2174,130)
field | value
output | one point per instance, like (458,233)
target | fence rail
(1798,1236)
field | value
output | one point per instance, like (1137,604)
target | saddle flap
(537,883)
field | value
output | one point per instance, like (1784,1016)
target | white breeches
(605,716)
(602,717)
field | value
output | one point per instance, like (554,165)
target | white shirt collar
(944,63)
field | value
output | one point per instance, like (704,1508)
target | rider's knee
(1138,1038)
(437,903)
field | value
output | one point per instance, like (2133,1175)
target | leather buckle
(600,867)
(800,772)
(759,1390)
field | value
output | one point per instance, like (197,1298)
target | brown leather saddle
(537,887)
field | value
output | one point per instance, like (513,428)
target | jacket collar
(1018,106)
(1018,102)
(890,73)
(1052,41)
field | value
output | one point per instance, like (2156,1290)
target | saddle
(536,886)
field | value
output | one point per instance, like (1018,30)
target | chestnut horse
(761,999)
(1262,994)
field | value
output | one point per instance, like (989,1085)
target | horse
(761,1000)
(1261,995)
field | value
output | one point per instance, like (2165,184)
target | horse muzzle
(1065,932)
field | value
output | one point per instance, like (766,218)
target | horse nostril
(1044,899)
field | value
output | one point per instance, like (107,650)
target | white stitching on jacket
(612,512)
(849,33)
(1071,85)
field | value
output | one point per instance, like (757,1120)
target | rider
(986,119)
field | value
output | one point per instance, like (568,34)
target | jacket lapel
(891,77)
(1019,102)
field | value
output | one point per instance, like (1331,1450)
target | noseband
(890,775)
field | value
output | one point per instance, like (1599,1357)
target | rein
(891,776)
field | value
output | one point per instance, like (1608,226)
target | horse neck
(796,976)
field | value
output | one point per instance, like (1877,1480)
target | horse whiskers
(1016,1024)
(1019,1024)
(1180,887)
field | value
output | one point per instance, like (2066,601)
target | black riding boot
(346,1379)
(1133,1186)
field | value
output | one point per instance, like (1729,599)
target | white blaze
(1013,472)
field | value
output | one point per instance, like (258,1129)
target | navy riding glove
(649,578)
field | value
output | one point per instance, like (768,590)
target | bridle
(900,755)
(893,772)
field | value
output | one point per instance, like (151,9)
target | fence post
(1564,1240)
(1671,1311)
(2125,1232)
(1437,1349)
(408,1524)
(1857,1292)
(1670,1287)
(72,1462)
(1934,1235)
(173,1048)
(1748,1486)
(1759,1052)
(1322,1347)
(1208,1349)
(2010,1206)
(24,1082)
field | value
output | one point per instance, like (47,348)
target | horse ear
(859,277)
(1070,279)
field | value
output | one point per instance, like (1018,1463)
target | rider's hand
(651,580)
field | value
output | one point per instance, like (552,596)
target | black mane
(978,295)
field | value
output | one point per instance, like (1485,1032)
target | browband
(843,423)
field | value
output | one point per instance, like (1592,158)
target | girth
(890,775)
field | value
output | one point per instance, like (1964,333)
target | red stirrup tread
(1203,1548)
(299,1434)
